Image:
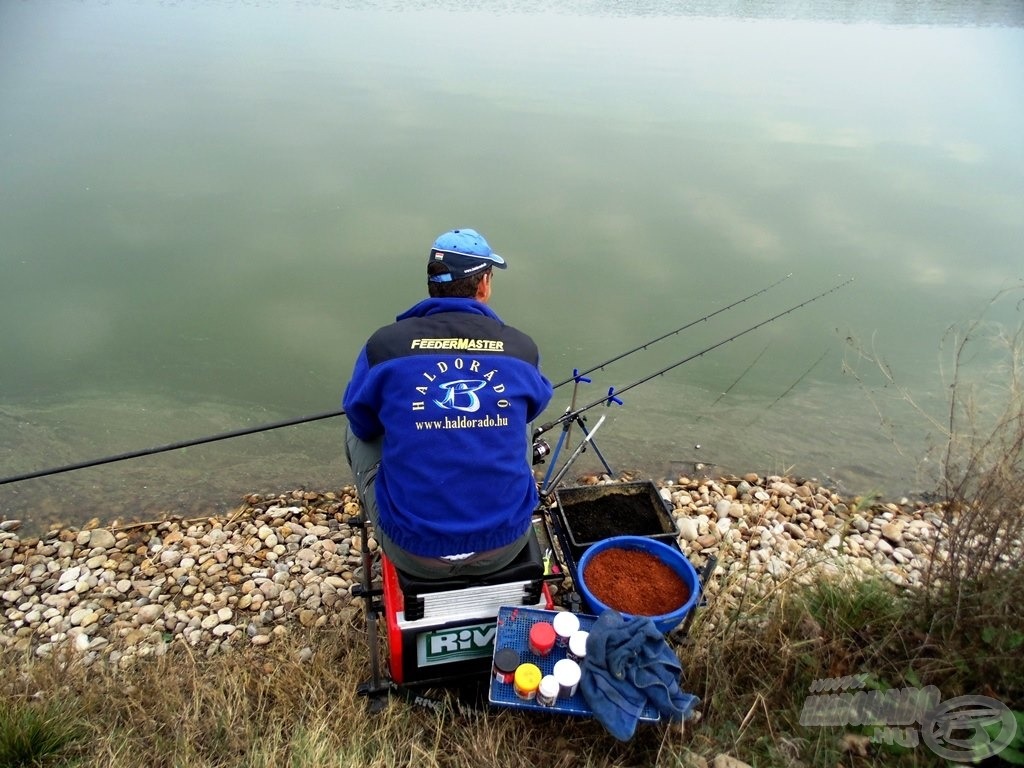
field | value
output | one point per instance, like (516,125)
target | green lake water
(206,207)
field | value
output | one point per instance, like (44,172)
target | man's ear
(483,288)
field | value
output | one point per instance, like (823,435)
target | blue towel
(627,667)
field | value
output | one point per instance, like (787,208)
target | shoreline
(280,561)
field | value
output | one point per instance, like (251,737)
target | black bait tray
(513,631)
(590,513)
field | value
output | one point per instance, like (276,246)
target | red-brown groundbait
(635,582)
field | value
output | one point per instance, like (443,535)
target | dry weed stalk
(965,630)
(983,463)
(979,445)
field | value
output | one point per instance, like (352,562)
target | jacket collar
(438,306)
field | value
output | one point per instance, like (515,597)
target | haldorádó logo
(961,729)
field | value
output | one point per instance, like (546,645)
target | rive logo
(447,646)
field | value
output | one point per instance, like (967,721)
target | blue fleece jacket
(452,389)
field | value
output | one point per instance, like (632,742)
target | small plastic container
(526,681)
(565,624)
(542,638)
(548,690)
(505,662)
(567,672)
(578,646)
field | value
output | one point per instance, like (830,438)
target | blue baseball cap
(464,252)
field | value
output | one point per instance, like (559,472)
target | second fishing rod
(601,366)
(573,413)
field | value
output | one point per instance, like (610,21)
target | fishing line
(609,361)
(737,381)
(791,387)
(613,393)
(803,376)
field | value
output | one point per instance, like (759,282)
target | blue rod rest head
(579,379)
(612,398)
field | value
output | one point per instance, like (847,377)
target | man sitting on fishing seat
(439,407)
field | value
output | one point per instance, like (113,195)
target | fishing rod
(600,366)
(172,446)
(613,394)
(542,449)
(611,397)
(577,376)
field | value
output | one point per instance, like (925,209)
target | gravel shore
(289,560)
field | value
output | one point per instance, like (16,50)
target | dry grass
(266,707)
(269,708)
(752,664)
(973,589)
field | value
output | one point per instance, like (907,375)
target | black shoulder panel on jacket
(449,333)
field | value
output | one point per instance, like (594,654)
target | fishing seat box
(439,630)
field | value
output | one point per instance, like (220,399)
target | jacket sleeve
(362,401)
(542,395)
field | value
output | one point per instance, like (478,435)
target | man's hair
(464,288)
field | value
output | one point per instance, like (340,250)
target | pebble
(687,527)
(121,594)
(101,537)
(722,508)
(728,761)
(287,561)
(795,531)
(149,613)
(707,541)
(778,527)
(892,531)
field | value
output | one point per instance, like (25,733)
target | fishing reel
(540,450)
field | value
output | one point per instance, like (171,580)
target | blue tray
(513,631)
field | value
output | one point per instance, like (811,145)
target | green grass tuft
(35,735)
